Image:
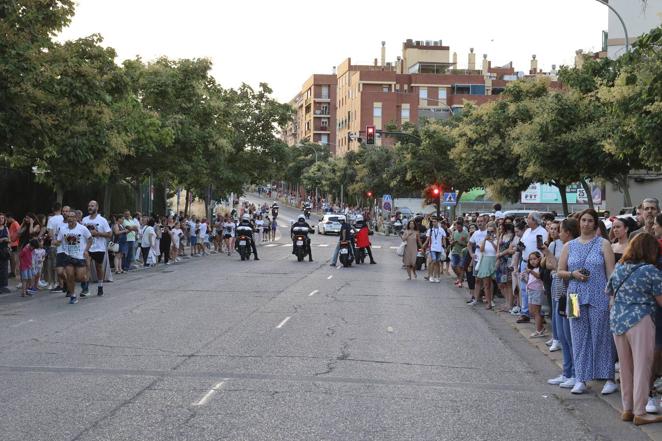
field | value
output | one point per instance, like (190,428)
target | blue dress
(592,346)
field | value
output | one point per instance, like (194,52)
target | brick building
(424,82)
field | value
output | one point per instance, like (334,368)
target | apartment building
(314,118)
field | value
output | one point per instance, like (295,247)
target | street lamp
(625,29)
(312,146)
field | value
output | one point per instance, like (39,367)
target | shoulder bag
(573,310)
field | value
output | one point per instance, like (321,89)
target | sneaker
(515,311)
(549,342)
(31,291)
(556,346)
(558,380)
(609,388)
(579,388)
(651,405)
(568,384)
(473,302)
(100,291)
(43,284)
(57,288)
(73,300)
(470,300)
(433,280)
(84,293)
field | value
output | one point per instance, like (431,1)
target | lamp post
(625,29)
(312,146)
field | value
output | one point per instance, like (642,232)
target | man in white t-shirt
(202,237)
(474,250)
(101,233)
(435,238)
(529,243)
(76,241)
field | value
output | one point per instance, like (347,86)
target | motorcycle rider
(346,234)
(302,227)
(245,228)
(274,210)
(362,238)
(306,209)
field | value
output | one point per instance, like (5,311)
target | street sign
(387,202)
(450,199)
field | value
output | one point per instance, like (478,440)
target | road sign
(450,199)
(387,202)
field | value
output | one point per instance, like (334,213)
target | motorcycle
(346,257)
(244,247)
(397,227)
(306,213)
(300,247)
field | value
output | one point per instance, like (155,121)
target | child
(535,289)
(38,257)
(25,266)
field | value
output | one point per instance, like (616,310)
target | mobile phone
(539,243)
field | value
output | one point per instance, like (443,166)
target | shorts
(435,256)
(227,236)
(535,297)
(27,274)
(60,260)
(72,261)
(98,256)
(193,240)
(457,261)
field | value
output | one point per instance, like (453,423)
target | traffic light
(370,135)
(369,194)
(435,191)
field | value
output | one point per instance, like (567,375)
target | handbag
(573,309)
(401,249)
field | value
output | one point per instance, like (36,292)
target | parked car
(330,223)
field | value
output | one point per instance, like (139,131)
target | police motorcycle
(274,211)
(300,241)
(244,238)
(306,211)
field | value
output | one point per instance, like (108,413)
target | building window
(324,139)
(324,108)
(461,89)
(477,89)
(324,122)
(386,88)
(404,113)
(377,110)
(442,95)
(422,96)
(325,92)
(406,87)
(397,87)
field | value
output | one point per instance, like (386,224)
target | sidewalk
(654,431)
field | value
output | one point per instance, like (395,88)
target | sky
(283,42)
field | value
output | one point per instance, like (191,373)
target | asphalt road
(214,348)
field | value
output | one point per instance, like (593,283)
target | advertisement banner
(548,194)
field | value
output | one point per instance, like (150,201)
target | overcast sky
(284,42)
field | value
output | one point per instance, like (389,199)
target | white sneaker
(579,388)
(473,302)
(43,284)
(515,310)
(558,380)
(556,346)
(651,405)
(609,388)
(431,279)
(549,342)
(568,384)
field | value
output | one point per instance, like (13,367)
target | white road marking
(376,247)
(323,245)
(286,245)
(393,248)
(329,278)
(313,293)
(209,394)
(271,245)
(22,323)
(283,322)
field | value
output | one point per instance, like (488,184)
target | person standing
(132,227)
(636,286)
(119,237)
(147,239)
(435,237)
(5,255)
(458,243)
(52,226)
(14,227)
(487,264)
(101,233)
(474,252)
(412,243)
(647,211)
(504,266)
(587,262)
(533,235)
(621,227)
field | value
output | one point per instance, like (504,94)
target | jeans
(4,273)
(127,259)
(562,326)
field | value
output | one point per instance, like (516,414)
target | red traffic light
(369,194)
(435,191)
(370,134)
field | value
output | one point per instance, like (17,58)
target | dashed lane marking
(283,322)
(329,278)
(205,398)
(313,293)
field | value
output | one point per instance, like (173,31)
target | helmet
(302,217)
(359,218)
(246,217)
